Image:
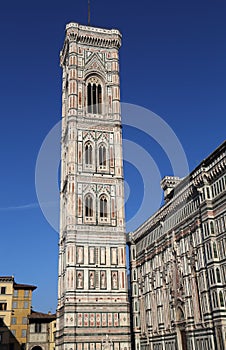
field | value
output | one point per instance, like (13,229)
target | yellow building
(15,307)
(52,334)
(6,296)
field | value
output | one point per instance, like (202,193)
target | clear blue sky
(173,62)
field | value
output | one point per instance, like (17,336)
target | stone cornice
(110,38)
(166,210)
(210,168)
(92,29)
(93,36)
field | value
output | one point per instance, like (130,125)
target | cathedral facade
(178,264)
(93,307)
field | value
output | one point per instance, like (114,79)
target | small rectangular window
(13,331)
(13,320)
(3,306)
(26,305)
(15,293)
(15,305)
(23,333)
(38,327)
(26,293)
(24,320)
(3,290)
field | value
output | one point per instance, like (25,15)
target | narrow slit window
(88,154)
(211,227)
(99,92)
(88,206)
(221,299)
(89,99)
(103,207)
(218,275)
(102,155)
(94,95)
(214,249)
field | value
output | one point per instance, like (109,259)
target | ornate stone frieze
(95,37)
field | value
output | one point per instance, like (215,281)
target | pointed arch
(221,297)
(218,275)
(103,206)
(102,150)
(94,92)
(180,314)
(215,249)
(104,209)
(211,227)
(88,153)
(89,205)
(89,208)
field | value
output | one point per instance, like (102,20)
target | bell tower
(93,308)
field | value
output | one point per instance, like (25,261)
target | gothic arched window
(88,154)
(103,207)
(215,249)
(102,155)
(221,298)
(215,300)
(218,275)
(89,206)
(94,96)
(211,227)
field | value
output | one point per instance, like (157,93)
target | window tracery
(94,96)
